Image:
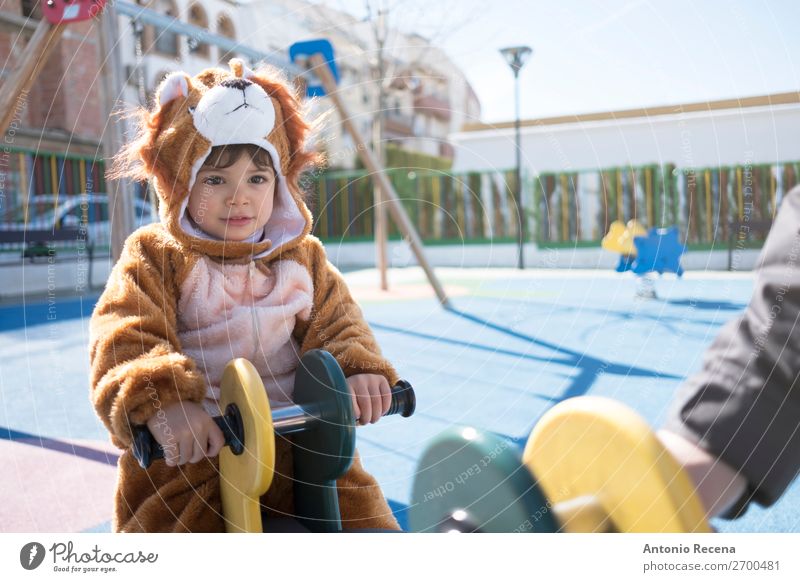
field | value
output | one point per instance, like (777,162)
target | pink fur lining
(216,322)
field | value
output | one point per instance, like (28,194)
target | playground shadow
(706,305)
(588,368)
(60,446)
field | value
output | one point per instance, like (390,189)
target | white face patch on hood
(238,111)
(235,109)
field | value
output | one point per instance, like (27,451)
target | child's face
(232,203)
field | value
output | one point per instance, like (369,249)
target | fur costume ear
(239,69)
(137,158)
(174,85)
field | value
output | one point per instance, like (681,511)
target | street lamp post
(516,57)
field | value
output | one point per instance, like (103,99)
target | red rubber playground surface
(513,344)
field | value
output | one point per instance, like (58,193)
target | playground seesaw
(590,465)
(321,421)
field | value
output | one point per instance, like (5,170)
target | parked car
(46,211)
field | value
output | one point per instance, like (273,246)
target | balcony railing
(433,105)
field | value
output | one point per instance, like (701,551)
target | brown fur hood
(217,107)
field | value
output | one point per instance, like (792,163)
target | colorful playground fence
(32,182)
(562,208)
(445,207)
(572,207)
(28,173)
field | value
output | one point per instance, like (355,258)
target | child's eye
(259,179)
(212,180)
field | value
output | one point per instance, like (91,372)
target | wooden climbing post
(376,169)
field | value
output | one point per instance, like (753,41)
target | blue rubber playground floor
(514,344)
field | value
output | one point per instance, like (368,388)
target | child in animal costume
(230,271)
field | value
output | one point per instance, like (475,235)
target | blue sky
(598,56)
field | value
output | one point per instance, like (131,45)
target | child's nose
(237,198)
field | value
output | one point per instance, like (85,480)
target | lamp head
(516,57)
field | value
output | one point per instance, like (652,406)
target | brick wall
(67,94)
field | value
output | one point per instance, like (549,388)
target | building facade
(427,96)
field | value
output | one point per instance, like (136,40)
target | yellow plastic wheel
(245,478)
(599,448)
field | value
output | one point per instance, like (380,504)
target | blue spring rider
(642,251)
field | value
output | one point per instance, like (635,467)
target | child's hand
(372,397)
(186,432)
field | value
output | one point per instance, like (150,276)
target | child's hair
(225,156)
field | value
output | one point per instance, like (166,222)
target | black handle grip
(404,401)
(146,449)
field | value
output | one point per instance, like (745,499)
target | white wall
(723,137)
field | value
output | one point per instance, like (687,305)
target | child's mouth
(240,221)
